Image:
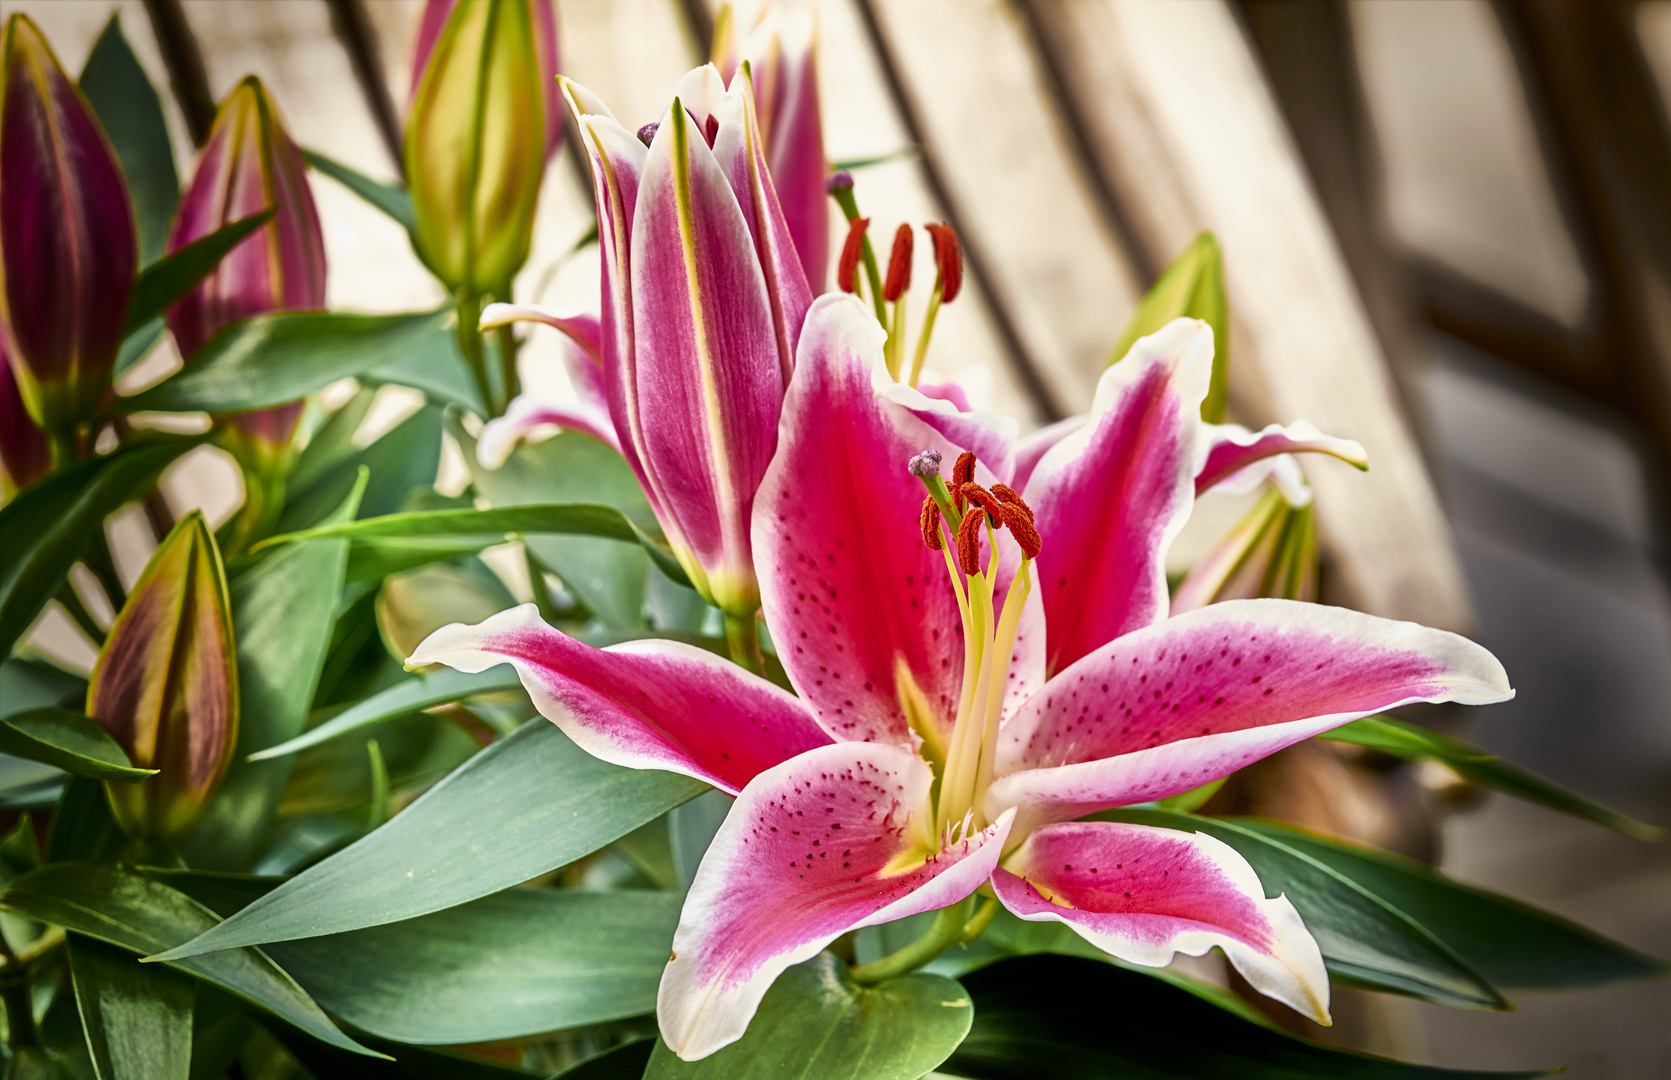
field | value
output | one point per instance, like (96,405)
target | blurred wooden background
(1448,234)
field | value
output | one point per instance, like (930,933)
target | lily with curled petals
(974,671)
(703,301)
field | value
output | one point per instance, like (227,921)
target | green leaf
(46,527)
(516,963)
(1513,945)
(283,610)
(130,112)
(405,459)
(1192,287)
(531,802)
(138,1017)
(1411,742)
(1090,1021)
(392,199)
(622,1063)
(134,913)
(421,692)
(817,1024)
(492,526)
(27,683)
(273,359)
(609,578)
(69,740)
(136,344)
(434,365)
(409,1062)
(169,278)
(82,826)
(1365,939)
(370,561)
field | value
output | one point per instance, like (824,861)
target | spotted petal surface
(836,839)
(642,704)
(1168,708)
(1143,895)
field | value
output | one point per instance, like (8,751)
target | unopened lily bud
(434,20)
(476,140)
(899,265)
(1271,552)
(948,259)
(166,685)
(68,246)
(248,164)
(25,455)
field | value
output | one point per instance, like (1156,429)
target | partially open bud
(166,685)
(68,246)
(248,164)
(476,140)
(1271,552)
(899,265)
(24,454)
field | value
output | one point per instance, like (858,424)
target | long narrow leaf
(1410,742)
(130,112)
(392,199)
(137,1017)
(68,740)
(169,278)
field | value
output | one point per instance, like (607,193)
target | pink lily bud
(25,455)
(166,685)
(477,135)
(781,48)
(434,20)
(248,164)
(68,246)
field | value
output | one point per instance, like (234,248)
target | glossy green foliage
(138,1017)
(131,114)
(1192,287)
(497,821)
(1414,743)
(1077,1019)
(392,199)
(817,1024)
(173,276)
(67,739)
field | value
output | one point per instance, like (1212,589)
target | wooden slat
(1008,166)
(1183,129)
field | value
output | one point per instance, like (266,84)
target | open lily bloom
(974,672)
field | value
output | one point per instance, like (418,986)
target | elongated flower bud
(248,164)
(475,143)
(434,20)
(166,684)
(68,246)
(24,453)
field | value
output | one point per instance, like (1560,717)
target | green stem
(743,639)
(507,364)
(470,344)
(946,932)
(62,444)
(976,926)
(926,333)
(99,560)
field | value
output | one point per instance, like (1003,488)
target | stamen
(847,269)
(977,494)
(969,544)
(840,180)
(1019,521)
(930,521)
(925,465)
(1007,494)
(647,133)
(948,255)
(899,265)
(962,473)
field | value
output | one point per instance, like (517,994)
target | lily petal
(1173,706)
(642,704)
(857,604)
(1110,497)
(991,436)
(526,413)
(583,328)
(706,353)
(1031,450)
(1143,895)
(838,838)
(1229,448)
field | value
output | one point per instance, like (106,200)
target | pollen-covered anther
(948,255)
(1006,494)
(969,543)
(1018,519)
(847,269)
(899,265)
(982,497)
(930,521)
(962,473)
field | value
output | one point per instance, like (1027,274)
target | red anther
(930,522)
(1006,494)
(969,543)
(948,255)
(899,265)
(1019,521)
(977,494)
(847,269)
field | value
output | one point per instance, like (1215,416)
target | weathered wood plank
(1183,130)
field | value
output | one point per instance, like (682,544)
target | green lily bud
(1192,287)
(475,145)
(166,685)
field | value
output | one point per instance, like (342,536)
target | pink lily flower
(703,301)
(953,718)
